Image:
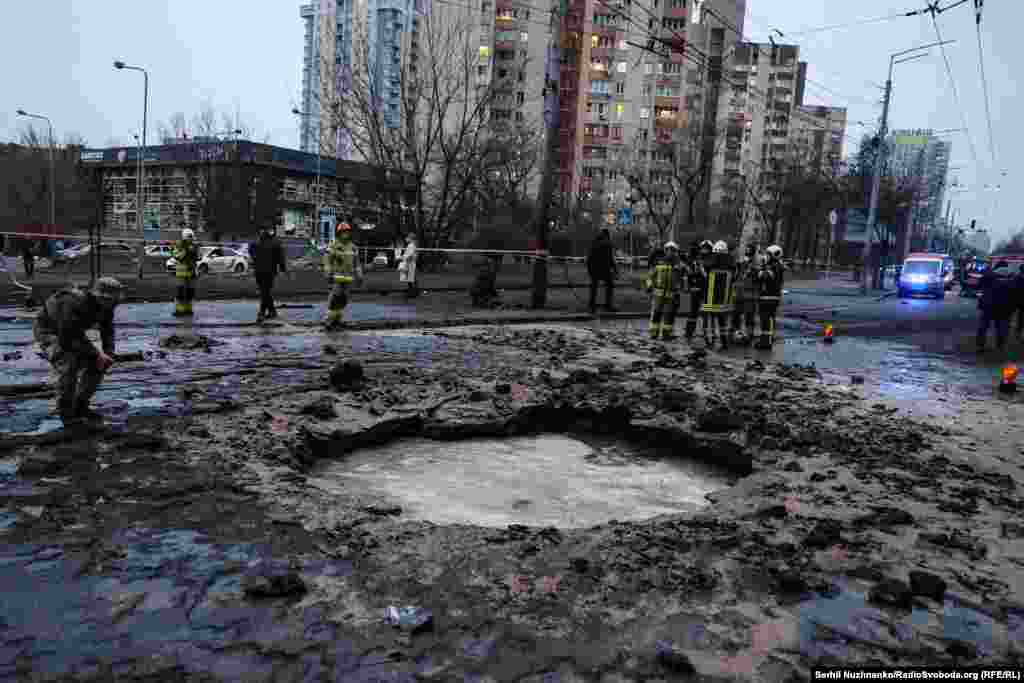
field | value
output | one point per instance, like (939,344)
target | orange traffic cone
(1009,383)
(828,334)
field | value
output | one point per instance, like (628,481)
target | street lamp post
(140,190)
(316,217)
(882,149)
(53,172)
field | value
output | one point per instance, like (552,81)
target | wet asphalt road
(879,340)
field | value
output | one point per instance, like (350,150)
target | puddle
(548,480)
(846,615)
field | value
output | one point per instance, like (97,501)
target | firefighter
(717,304)
(60,332)
(339,265)
(186,257)
(697,282)
(770,277)
(745,291)
(664,284)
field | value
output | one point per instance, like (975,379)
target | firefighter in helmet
(697,280)
(745,289)
(770,278)
(665,284)
(717,303)
(186,258)
(340,266)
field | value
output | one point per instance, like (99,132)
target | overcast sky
(246,57)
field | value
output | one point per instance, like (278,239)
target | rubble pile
(858,535)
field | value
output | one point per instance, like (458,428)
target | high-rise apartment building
(923,158)
(342,35)
(819,133)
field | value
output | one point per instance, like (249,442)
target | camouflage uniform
(60,332)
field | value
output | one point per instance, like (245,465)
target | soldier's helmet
(774,251)
(721,247)
(108,290)
(187,234)
(671,245)
(706,245)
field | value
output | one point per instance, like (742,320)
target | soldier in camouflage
(60,331)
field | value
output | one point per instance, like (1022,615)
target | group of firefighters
(721,292)
(727,297)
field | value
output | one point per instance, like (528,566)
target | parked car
(922,274)
(106,249)
(380,261)
(216,260)
(164,250)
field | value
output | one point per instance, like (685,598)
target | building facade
(821,132)
(183,180)
(921,157)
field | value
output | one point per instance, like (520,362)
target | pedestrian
(996,304)
(267,261)
(697,280)
(407,266)
(718,298)
(770,277)
(601,267)
(664,285)
(186,258)
(746,296)
(339,266)
(28,257)
(60,331)
(1019,298)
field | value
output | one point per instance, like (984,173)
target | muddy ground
(202,547)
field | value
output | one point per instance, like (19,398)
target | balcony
(676,13)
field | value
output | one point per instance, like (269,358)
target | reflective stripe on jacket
(186,257)
(340,261)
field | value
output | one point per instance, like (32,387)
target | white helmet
(774,251)
(671,245)
(720,247)
(187,234)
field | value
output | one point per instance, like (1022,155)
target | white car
(160,250)
(217,260)
(380,261)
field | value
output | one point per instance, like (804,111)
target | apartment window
(524,36)
(520,98)
(621,66)
(670,68)
(502,73)
(595,40)
(620,109)
(519,116)
(645,112)
(673,24)
(622,45)
(648,68)
(485,52)
(616,135)
(677,4)
(620,88)
(522,76)
(481,71)
(599,87)
(647,90)
(485,6)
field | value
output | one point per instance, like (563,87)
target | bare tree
(435,121)
(671,171)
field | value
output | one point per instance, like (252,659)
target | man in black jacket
(268,259)
(996,304)
(1019,295)
(601,268)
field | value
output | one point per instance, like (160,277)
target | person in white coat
(407,266)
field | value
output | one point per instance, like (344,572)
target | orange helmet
(343,227)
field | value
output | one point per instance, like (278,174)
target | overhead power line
(984,83)
(952,84)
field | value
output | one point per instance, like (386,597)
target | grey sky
(247,56)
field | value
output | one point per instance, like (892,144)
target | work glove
(103,362)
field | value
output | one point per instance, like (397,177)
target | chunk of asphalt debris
(189,342)
(503,388)
(322,408)
(927,585)
(383,510)
(891,592)
(346,375)
(672,659)
(579,565)
(274,584)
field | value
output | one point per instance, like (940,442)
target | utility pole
(547,184)
(882,154)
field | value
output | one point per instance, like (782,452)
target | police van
(926,274)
